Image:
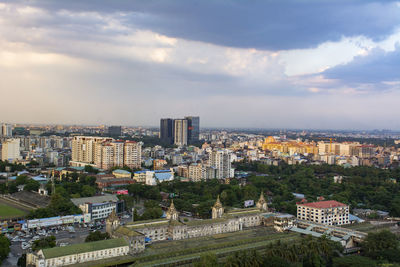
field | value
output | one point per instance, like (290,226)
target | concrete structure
(78,253)
(221,161)
(6,130)
(193,129)
(167,130)
(105,152)
(173,229)
(328,212)
(99,207)
(133,154)
(180,132)
(10,150)
(115,131)
(122,174)
(195,172)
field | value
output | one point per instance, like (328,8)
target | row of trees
(59,206)
(363,187)
(378,249)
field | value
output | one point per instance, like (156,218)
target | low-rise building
(99,207)
(78,253)
(328,212)
(122,174)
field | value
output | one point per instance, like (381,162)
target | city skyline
(291,64)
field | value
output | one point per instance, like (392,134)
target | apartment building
(328,212)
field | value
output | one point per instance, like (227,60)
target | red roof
(324,204)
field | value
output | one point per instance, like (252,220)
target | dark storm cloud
(274,25)
(378,66)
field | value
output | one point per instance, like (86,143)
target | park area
(8,211)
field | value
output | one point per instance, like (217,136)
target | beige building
(83,148)
(133,154)
(195,171)
(328,212)
(78,253)
(10,150)
(106,153)
(180,132)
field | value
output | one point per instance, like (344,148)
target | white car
(25,245)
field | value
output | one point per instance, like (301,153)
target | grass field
(7,212)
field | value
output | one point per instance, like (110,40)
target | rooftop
(97,199)
(126,231)
(206,221)
(147,223)
(324,204)
(121,172)
(83,248)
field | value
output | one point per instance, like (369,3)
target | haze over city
(271,64)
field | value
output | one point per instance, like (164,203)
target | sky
(255,64)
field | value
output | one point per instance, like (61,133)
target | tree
(377,243)
(21,179)
(32,185)
(207,260)
(4,248)
(22,260)
(91,169)
(96,236)
(88,191)
(352,260)
(47,242)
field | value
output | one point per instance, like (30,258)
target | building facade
(221,161)
(193,129)
(167,130)
(10,150)
(78,253)
(180,132)
(328,212)
(172,228)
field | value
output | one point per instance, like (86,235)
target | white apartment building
(328,212)
(10,150)
(221,160)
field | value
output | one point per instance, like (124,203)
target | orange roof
(324,204)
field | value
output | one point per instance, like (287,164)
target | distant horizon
(205,127)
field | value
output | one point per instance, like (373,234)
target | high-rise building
(221,161)
(167,130)
(115,131)
(6,130)
(133,154)
(10,150)
(193,129)
(105,152)
(84,148)
(181,132)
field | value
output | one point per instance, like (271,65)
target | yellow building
(291,147)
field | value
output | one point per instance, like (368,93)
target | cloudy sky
(268,64)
